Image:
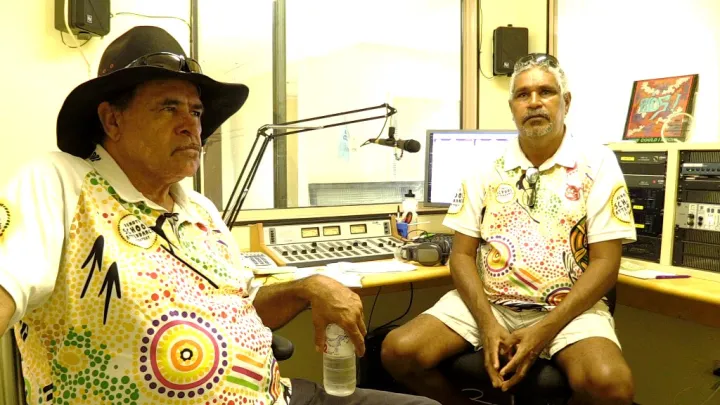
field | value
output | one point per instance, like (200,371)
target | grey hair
(559,74)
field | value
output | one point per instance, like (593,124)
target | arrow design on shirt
(112,280)
(96,255)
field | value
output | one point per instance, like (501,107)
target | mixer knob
(349,247)
(340,248)
(332,249)
(303,251)
(364,243)
(314,244)
(356,244)
(284,253)
(313,250)
(380,244)
(294,252)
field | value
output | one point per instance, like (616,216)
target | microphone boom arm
(268,133)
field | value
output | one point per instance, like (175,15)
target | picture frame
(661,109)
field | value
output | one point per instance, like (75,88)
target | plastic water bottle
(339,376)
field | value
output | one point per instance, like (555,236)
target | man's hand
(332,302)
(496,343)
(527,344)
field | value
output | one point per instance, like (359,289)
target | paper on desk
(346,279)
(646,274)
(371,267)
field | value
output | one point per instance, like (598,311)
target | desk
(695,299)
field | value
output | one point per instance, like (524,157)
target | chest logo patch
(458,201)
(505,193)
(134,232)
(621,209)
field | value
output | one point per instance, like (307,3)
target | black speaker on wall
(86,18)
(509,44)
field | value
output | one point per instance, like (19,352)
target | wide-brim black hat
(78,125)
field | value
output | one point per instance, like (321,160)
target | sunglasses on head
(167,60)
(539,58)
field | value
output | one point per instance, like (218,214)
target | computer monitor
(452,154)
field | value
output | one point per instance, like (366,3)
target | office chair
(282,348)
(544,384)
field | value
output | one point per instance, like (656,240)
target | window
(339,56)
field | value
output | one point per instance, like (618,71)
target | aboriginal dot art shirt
(532,254)
(121,302)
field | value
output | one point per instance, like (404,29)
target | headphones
(427,253)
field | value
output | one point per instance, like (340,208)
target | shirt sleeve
(32,232)
(464,213)
(609,209)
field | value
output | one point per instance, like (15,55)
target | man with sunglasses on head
(539,233)
(123,286)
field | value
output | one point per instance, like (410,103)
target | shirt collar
(108,168)
(564,156)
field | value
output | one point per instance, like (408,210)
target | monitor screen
(452,154)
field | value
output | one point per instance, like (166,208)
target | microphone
(411,145)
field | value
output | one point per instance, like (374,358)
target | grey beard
(536,132)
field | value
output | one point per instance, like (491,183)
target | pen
(673,276)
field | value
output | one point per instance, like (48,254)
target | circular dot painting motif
(501,256)
(182,355)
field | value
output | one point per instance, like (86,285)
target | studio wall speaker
(509,44)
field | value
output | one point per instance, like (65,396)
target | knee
(400,353)
(605,383)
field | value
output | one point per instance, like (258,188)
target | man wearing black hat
(126,288)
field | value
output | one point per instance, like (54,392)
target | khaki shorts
(595,322)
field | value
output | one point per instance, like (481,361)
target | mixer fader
(316,244)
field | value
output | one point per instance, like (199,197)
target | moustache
(536,115)
(195,147)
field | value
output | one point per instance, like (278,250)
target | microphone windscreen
(412,146)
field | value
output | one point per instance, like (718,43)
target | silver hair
(559,74)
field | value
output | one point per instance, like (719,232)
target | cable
(379,135)
(373,307)
(403,315)
(77,46)
(62,38)
(151,16)
(424,233)
(479,23)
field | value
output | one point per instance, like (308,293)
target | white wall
(38,71)
(605,45)
(493,109)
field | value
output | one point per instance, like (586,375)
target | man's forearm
(470,287)
(595,282)
(278,304)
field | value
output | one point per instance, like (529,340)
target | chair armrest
(282,348)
